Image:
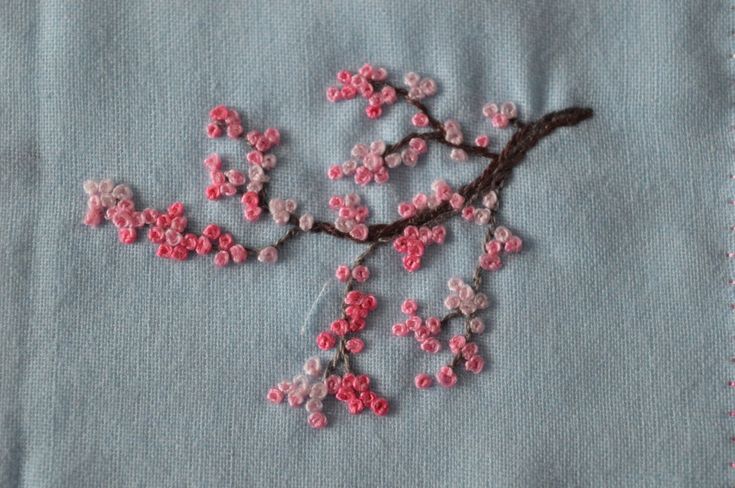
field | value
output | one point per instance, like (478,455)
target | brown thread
(492,178)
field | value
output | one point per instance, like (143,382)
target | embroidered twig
(419,225)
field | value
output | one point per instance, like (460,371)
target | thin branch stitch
(420,225)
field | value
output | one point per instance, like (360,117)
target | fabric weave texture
(611,331)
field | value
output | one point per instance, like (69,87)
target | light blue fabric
(611,330)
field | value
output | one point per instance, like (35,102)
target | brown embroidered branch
(526,137)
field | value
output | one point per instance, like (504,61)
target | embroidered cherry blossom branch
(419,226)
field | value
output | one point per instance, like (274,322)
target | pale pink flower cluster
(426,332)
(306,390)
(281,210)
(481,216)
(503,241)
(363,83)
(103,195)
(351,215)
(419,88)
(464,298)
(371,163)
(442,192)
(500,117)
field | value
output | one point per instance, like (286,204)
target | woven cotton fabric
(611,331)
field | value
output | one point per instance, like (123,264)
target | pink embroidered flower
(421,333)
(335,172)
(458,154)
(513,244)
(250,199)
(411,263)
(468,213)
(190,241)
(446,377)
(345,393)
(295,399)
(360,273)
(318,390)
(179,253)
(225,241)
(373,112)
(470,349)
(493,247)
(359,232)
(204,246)
(212,192)
(268,255)
(333,94)
(214,130)
(274,395)
(502,234)
(325,341)
(127,235)
(380,406)
(93,218)
(234,130)
(413,322)
(438,234)
(284,386)
(389,95)
(475,364)
(340,327)
(420,120)
(213,162)
(423,381)
(355,406)
(235,177)
(306,222)
(400,330)
(406,209)
(343,273)
(409,307)
(490,200)
(431,345)
(317,420)
(313,405)
(361,382)
(490,262)
(219,113)
(156,235)
(333,383)
(212,231)
(238,253)
(355,345)
(313,366)
(476,326)
(433,325)
(456,343)
(221,259)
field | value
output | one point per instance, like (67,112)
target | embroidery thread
(420,225)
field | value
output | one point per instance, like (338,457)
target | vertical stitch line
(730,253)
